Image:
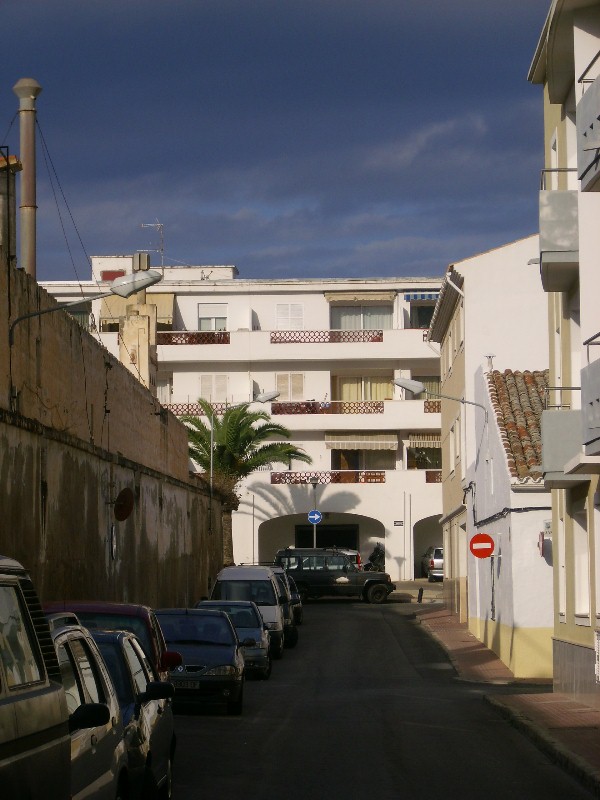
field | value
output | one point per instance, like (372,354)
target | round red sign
(481,545)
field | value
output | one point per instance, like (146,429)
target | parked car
(258,584)
(35,746)
(322,571)
(432,564)
(297,607)
(138,619)
(99,761)
(213,660)
(248,624)
(285,593)
(147,714)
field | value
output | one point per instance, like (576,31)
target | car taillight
(431,564)
(358,561)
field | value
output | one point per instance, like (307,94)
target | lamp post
(124,286)
(313,480)
(262,397)
(416,387)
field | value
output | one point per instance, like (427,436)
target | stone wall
(76,429)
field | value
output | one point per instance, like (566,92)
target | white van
(258,584)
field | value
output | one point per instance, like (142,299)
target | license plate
(186,684)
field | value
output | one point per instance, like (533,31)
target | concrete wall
(79,430)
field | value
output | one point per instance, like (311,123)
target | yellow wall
(527,652)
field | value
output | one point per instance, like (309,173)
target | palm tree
(232,447)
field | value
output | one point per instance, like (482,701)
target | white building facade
(331,349)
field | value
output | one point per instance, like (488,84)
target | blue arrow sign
(315,516)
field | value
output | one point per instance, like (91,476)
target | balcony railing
(433,476)
(333,407)
(194,409)
(335,476)
(433,406)
(193,337)
(325,337)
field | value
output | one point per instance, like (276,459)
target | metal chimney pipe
(27,89)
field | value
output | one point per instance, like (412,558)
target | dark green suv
(327,572)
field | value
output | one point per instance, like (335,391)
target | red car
(139,619)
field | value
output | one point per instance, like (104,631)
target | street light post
(416,387)
(313,480)
(124,286)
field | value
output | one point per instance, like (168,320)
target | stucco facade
(331,349)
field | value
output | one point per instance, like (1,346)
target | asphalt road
(366,706)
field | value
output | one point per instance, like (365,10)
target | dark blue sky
(293,138)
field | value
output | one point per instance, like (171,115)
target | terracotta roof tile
(517,399)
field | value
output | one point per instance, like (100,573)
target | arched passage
(426,532)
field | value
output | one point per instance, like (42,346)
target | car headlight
(223,671)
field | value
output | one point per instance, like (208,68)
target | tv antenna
(161,247)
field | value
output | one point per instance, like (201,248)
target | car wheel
(122,791)
(291,640)
(377,593)
(278,654)
(266,674)
(234,707)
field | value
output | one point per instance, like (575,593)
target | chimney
(27,89)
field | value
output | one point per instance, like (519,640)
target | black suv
(323,571)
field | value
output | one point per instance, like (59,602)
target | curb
(554,749)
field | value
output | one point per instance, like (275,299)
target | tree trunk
(226,523)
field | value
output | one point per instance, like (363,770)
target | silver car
(432,564)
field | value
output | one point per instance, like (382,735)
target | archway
(426,532)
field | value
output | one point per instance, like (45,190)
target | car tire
(266,674)
(235,707)
(377,593)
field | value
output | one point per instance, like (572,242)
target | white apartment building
(331,349)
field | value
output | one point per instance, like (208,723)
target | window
(290,386)
(87,670)
(213,388)
(140,678)
(362,388)
(363,459)
(212,316)
(351,318)
(81,314)
(164,390)
(423,458)
(430,382)
(69,679)
(17,649)
(420,316)
(290,317)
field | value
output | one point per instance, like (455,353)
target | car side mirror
(157,690)
(89,715)
(170,659)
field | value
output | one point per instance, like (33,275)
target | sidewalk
(566,730)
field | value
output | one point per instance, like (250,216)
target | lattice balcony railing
(193,337)
(332,407)
(325,337)
(433,406)
(194,409)
(433,476)
(335,476)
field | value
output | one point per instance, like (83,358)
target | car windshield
(260,592)
(196,629)
(118,622)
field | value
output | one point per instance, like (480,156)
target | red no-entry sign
(481,545)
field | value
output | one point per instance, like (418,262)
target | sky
(293,138)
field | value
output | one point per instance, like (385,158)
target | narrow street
(366,706)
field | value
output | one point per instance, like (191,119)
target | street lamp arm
(459,400)
(418,388)
(58,307)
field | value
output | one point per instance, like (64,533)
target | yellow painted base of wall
(527,652)
(455,597)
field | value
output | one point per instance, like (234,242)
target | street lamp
(416,387)
(262,397)
(314,481)
(124,287)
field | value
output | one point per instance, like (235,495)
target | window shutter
(206,385)
(282,384)
(297,386)
(220,388)
(290,316)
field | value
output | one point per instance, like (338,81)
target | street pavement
(566,730)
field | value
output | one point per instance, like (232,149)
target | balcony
(588,144)
(590,403)
(325,337)
(559,239)
(333,476)
(561,443)
(193,337)
(332,407)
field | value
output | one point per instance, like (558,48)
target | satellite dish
(124,504)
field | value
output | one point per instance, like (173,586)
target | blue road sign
(314,516)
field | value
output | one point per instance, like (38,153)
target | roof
(517,399)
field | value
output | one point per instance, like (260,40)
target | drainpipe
(27,89)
